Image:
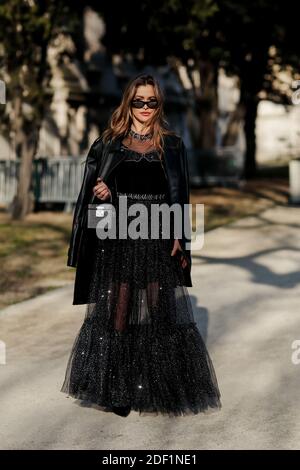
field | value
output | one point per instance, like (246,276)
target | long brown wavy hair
(122,117)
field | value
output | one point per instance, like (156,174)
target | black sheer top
(140,172)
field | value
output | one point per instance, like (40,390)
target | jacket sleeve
(185,172)
(185,198)
(86,191)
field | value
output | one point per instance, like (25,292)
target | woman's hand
(177,247)
(101,190)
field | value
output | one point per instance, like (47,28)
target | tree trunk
(234,124)
(250,103)
(23,201)
(208,104)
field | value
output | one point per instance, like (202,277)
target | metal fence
(54,180)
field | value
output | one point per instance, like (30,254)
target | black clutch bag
(103,212)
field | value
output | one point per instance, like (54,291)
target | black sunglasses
(152,104)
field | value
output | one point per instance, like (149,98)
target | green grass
(33,255)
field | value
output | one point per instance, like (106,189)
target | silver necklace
(138,136)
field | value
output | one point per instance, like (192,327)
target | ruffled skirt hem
(167,372)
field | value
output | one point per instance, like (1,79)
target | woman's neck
(139,129)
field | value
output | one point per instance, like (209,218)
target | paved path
(246,298)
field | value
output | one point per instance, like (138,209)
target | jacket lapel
(109,160)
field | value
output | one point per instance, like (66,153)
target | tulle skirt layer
(139,344)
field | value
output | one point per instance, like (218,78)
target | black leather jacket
(100,162)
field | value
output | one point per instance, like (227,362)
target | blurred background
(229,71)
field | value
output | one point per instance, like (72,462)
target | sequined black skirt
(139,344)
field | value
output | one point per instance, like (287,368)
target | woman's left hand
(177,247)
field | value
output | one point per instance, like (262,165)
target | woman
(138,347)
